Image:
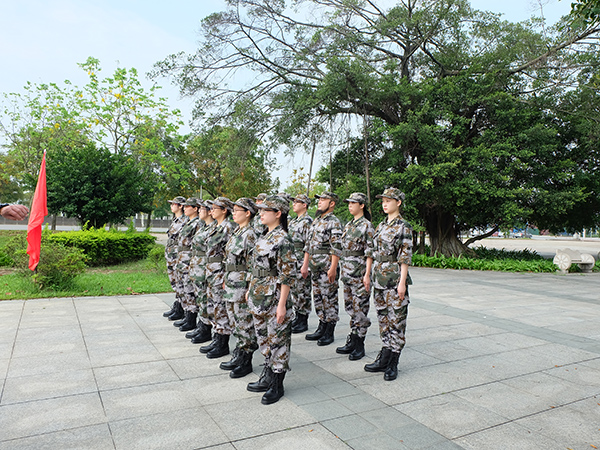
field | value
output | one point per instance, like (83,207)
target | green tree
(96,186)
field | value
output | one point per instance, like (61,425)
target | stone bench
(565,257)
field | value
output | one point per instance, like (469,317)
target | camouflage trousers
(221,323)
(274,339)
(301,295)
(185,290)
(325,296)
(243,329)
(172,273)
(206,309)
(391,314)
(356,304)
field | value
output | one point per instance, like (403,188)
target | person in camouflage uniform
(273,271)
(184,254)
(215,276)
(392,254)
(355,267)
(256,223)
(206,310)
(179,219)
(299,228)
(321,255)
(237,278)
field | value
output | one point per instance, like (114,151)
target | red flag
(39,210)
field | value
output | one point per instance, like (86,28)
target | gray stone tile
(350,427)
(129,375)
(94,437)
(146,400)
(33,418)
(198,365)
(386,418)
(450,415)
(379,441)
(417,436)
(342,367)
(185,429)
(48,363)
(339,389)
(40,347)
(305,395)
(510,436)
(116,353)
(360,403)
(580,374)
(218,388)
(56,384)
(328,409)
(302,438)
(252,419)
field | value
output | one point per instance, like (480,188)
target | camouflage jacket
(393,246)
(184,247)
(173,237)
(215,250)
(357,241)
(299,228)
(324,239)
(257,225)
(198,261)
(273,264)
(237,252)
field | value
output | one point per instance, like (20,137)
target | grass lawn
(124,279)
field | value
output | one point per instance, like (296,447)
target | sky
(42,41)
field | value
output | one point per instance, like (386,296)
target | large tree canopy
(468,113)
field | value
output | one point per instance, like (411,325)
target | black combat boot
(233,362)
(391,373)
(244,367)
(381,363)
(195,331)
(349,346)
(172,310)
(209,347)
(328,336)
(204,335)
(183,320)
(275,391)
(301,324)
(264,381)
(191,322)
(318,334)
(359,349)
(221,348)
(178,313)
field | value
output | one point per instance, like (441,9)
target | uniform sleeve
(249,247)
(335,238)
(406,242)
(286,262)
(369,240)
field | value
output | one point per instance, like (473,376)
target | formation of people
(246,269)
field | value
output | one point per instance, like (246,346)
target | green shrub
(5,260)
(107,247)
(58,266)
(507,264)
(156,258)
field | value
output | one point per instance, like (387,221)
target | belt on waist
(184,248)
(320,251)
(353,253)
(298,245)
(214,259)
(385,258)
(236,268)
(264,272)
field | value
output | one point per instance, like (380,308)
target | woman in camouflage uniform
(217,237)
(179,219)
(184,254)
(273,271)
(237,278)
(355,268)
(392,254)
(202,332)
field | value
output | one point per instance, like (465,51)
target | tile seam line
(12,351)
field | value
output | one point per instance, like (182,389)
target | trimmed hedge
(106,247)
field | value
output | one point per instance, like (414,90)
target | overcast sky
(43,40)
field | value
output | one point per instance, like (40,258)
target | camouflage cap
(275,202)
(260,197)
(223,202)
(193,201)
(393,193)
(179,199)
(330,195)
(302,198)
(207,204)
(246,203)
(285,196)
(357,197)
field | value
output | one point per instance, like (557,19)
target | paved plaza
(493,361)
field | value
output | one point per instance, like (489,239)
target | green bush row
(500,265)
(106,247)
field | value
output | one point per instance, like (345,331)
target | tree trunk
(443,235)
(149,223)
(53,223)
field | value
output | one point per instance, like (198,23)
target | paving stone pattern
(493,361)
